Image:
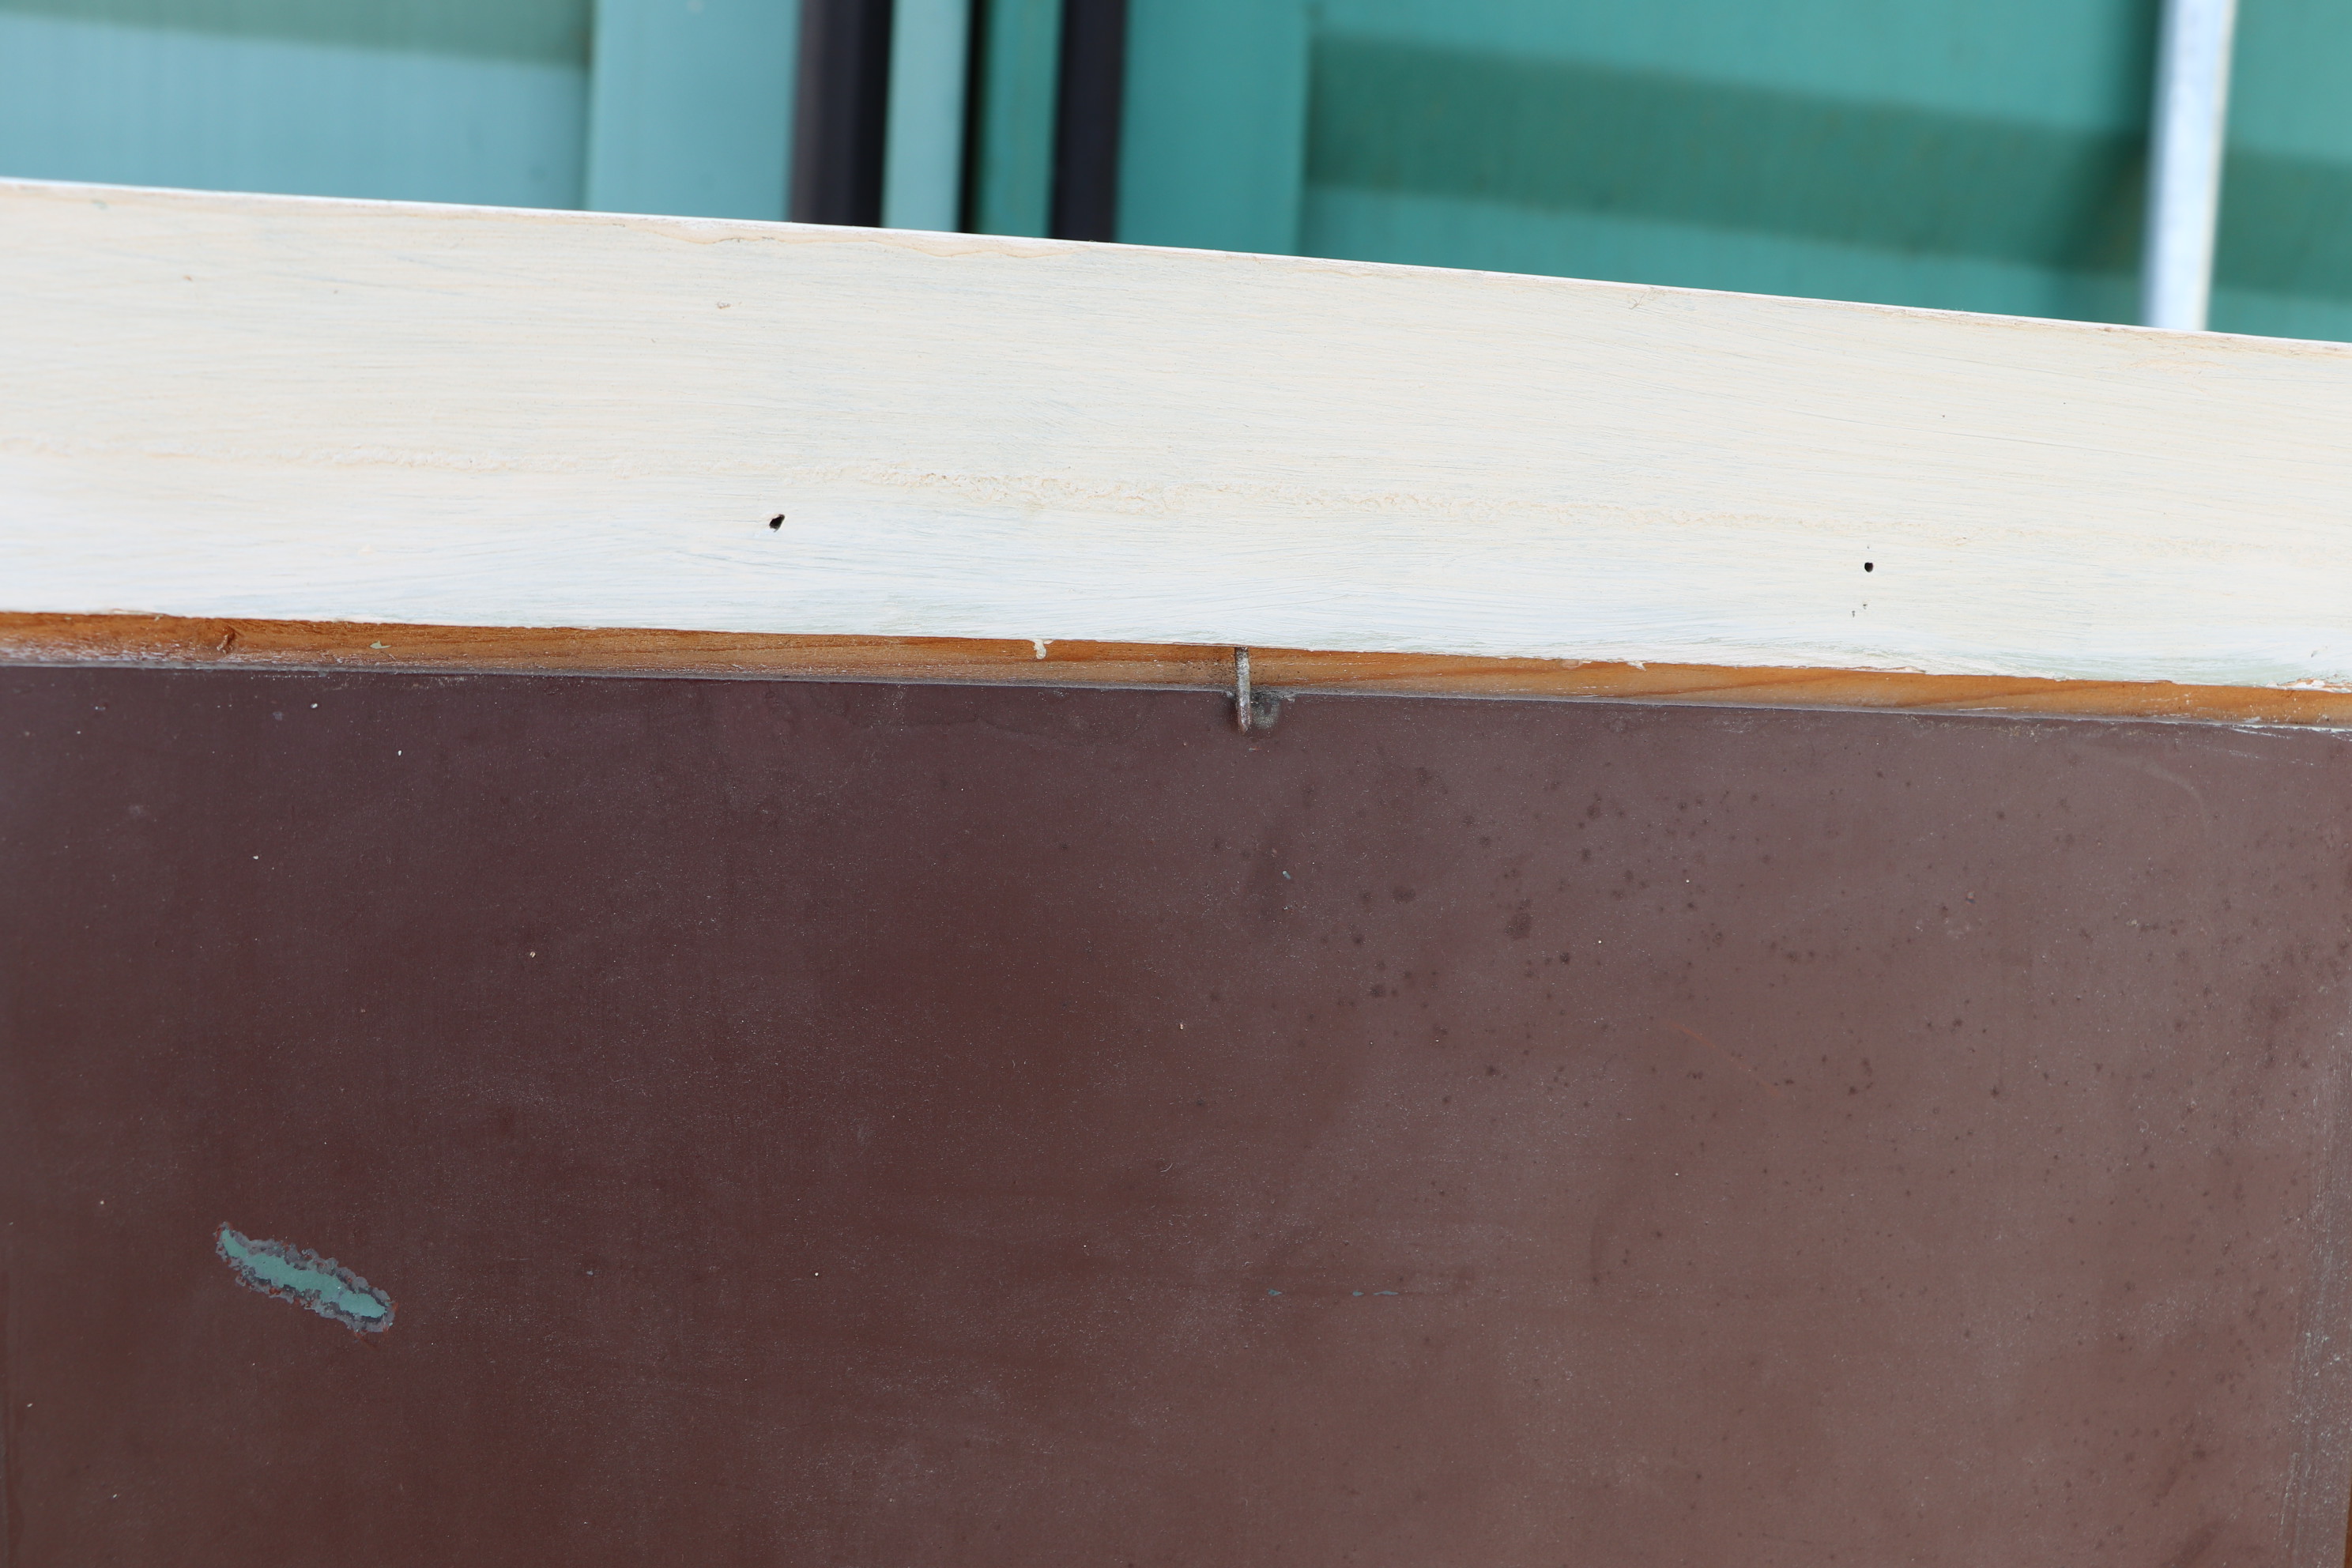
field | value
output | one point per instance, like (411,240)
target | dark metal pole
(841,112)
(1085,139)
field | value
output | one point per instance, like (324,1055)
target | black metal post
(1086,137)
(841,112)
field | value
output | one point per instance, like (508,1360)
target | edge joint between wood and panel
(346,647)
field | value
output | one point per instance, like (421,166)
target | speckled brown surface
(932,1125)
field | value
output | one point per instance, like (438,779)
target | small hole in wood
(1870,565)
(777,520)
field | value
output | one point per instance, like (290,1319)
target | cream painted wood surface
(269,407)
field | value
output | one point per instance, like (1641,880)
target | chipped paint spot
(294,1274)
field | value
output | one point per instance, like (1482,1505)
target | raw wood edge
(161,640)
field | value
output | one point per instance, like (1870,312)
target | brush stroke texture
(297,409)
(297,1275)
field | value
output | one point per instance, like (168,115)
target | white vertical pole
(922,159)
(2184,171)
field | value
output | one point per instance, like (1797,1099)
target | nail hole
(777,520)
(1870,565)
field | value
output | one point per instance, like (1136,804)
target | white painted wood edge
(300,409)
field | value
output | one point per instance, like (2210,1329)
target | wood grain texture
(297,410)
(163,640)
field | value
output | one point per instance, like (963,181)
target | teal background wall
(681,106)
(1011,169)
(1979,156)
(1974,154)
(1982,156)
(1214,143)
(458,101)
(2285,262)
(690,106)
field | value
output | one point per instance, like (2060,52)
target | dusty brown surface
(844,1124)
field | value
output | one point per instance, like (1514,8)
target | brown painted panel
(932,1125)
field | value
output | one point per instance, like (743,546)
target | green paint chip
(295,1274)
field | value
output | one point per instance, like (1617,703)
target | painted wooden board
(292,409)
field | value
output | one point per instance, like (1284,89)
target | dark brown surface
(871,1125)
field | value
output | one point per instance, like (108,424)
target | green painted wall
(1981,156)
(680,106)
(691,107)
(1214,143)
(1985,156)
(1012,165)
(464,101)
(2285,263)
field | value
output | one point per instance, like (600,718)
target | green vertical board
(1012,161)
(1214,140)
(2285,262)
(691,107)
(1984,157)
(1987,157)
(460,100)
(931,66)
